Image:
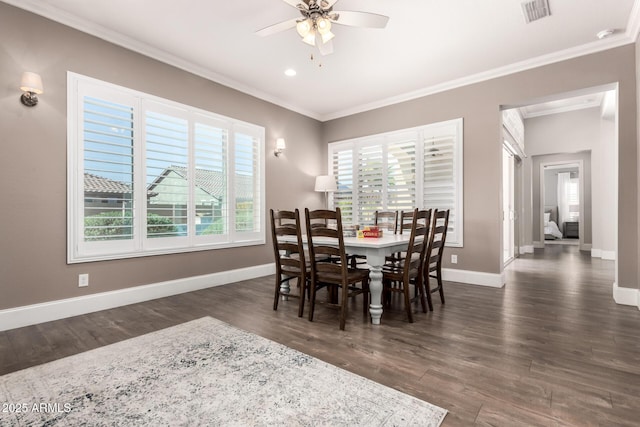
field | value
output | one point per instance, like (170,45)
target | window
(401,170)
(573,197)
(150,176)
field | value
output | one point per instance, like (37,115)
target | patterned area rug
(203,372)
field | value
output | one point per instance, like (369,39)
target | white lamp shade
(31,82)
(303,27)
(327,36)
(280,144)
(310,38)
(323,25)
(326,183)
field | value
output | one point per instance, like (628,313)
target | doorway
(562,199)
(581,126)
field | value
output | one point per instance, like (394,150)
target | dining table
(375,249)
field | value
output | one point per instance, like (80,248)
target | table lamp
(326,183)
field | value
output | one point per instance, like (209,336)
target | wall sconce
(280,146)
(326,184)
(31,85)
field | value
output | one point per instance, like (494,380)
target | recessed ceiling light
(604,34)
(290,72)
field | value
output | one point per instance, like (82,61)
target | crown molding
(633,26)
(563,55)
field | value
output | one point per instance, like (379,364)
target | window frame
(79,250)
(386,139)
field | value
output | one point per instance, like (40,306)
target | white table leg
(375,260)
(284,289)
(375,287)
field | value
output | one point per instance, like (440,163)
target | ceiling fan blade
(276,28)
(326,4)
(294,3)
(324,48)
(361,19)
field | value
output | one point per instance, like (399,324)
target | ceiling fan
(315,25)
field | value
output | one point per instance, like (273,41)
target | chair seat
(354,275)
(291,270)
(396,272)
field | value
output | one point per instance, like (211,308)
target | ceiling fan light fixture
(323,25)
(310,38)
(304,27)
(327,36)
(315,24)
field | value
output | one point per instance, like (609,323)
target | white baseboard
(599,253)
(473,277)
(626,296)
(538,245)
(45,312)
(526,249)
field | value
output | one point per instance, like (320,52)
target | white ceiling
(428,46)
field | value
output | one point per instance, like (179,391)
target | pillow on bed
(547,217)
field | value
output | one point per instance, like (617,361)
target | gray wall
(479,104)
(33,165)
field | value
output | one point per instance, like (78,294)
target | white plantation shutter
(211,142)
(150,176)
(167,174)
(371,181)
(107,170)
(418,167)
(248,191)
(401,172)
(342,167)
(442,181)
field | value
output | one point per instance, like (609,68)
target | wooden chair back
(435,254)
(329,267)
(409,269)
(387,220)
(289,256)
(326,224)
(405,221)
(418,240)
(437,240)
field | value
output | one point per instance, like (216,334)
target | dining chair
(399,276)
(387,220)
(405,222)
(325,241)
(289,257)
(435,250)
(404,225)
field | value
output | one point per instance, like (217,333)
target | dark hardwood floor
(551,348)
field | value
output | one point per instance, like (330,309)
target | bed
(551,229)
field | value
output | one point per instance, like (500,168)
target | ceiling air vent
(535,9)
